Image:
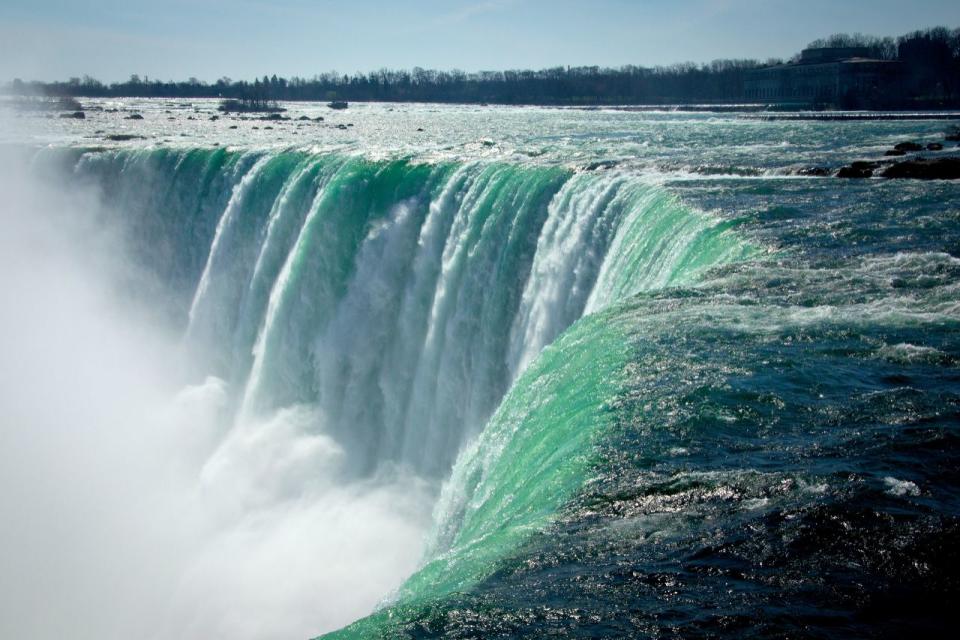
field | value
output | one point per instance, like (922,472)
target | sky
(243,39)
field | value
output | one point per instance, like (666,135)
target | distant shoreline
(919,71)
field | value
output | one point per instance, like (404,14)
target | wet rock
(338,104)
(908,146)
(134,116)
(123,137)
(303,118)
(859,169)
(214,118)
(925,169)
(895,153)
(76,115)
(934,146)
(600,164)
(814,171)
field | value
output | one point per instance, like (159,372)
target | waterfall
(396,299)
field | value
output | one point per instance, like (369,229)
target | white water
(133,508)
(346,350)
(226,220)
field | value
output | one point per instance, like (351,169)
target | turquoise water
(659,385)
(768,453)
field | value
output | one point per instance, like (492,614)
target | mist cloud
(132,505)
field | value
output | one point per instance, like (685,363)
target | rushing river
(475,372)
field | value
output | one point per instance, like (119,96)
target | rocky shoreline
(913,166)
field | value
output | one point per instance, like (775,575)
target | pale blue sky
(174,39)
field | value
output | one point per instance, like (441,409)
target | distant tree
(930,60)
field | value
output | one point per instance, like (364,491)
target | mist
(133,505)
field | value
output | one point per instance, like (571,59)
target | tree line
(930,60)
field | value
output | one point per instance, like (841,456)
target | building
(839,76)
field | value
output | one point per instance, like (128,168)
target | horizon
(52,40)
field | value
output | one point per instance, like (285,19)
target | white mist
(130,506)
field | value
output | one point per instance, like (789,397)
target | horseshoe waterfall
(649,381)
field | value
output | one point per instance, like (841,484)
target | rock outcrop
(858,169)
(925,169)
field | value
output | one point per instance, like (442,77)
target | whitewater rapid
(491,378)
(398,299)
(345,329)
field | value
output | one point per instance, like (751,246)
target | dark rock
(303,118)
(338,104)
(249,105)
(814,171)
(123,137)
(342,126)
(908,146)
(934,146)
(849,172)
(600,164)
(420,129)
(76,115)
(953,134)
(318,119)
(134,116)
(214,117)
(233,126)
(923,169)
(859,169)
(895,152)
